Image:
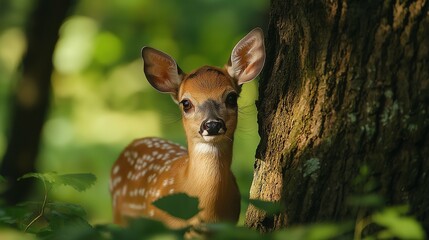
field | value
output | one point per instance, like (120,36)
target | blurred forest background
(100,99)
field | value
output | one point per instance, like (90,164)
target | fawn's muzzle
(212,127)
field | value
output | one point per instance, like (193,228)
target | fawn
(150,168)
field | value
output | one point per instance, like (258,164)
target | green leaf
(13,214)
(179,205)
(271,208)
(2,179)
(314,231)
(78,181)
(404,227)
(329,230)
(67,208)
(229,231)
(59,220)
(145,227)
(46,177)
(139,228)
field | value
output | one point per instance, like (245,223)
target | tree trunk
(346,84)
(30,100)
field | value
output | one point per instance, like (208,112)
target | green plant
(384,221)
(44,217)
(48,219)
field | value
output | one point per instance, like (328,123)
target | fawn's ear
(247,57)
(161,71)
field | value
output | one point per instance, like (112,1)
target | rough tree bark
(346,83)
(30,100)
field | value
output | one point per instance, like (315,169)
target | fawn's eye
(231,100)
(186,104)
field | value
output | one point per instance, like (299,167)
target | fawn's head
(207,96)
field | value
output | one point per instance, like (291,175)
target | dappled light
(12,47)
(75,47)
(15,41)
(108,48)
(100,98)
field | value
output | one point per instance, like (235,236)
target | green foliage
(12,215)
(372,212)
(78,181)
(271,208)
(228,231)
(397,224)
(45,217)
(143,228)
(61,220)
(179,205)
(315,231)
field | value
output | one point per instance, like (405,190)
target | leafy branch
(78,181)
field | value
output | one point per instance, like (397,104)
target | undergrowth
(49,219)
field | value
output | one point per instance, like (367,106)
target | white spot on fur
(165,183)
(137,206)
(170,181)
(124,190)
(115,181)
(116,169)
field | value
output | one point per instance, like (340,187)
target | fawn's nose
(212,127)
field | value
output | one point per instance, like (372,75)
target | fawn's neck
(209,178)
(209,162)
